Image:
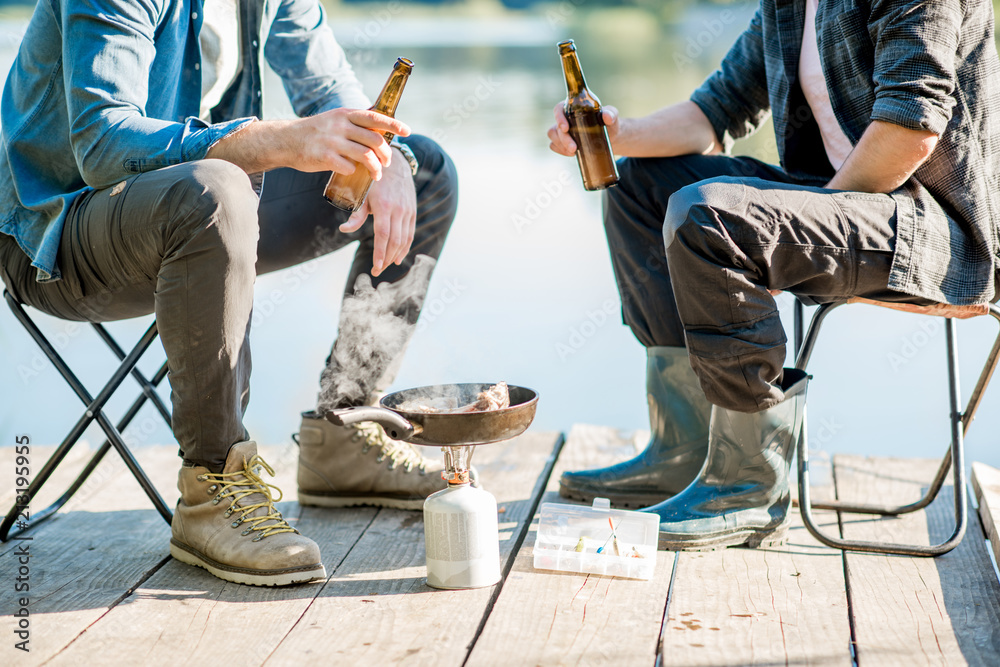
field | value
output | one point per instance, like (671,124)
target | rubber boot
(741,495)
(678,420)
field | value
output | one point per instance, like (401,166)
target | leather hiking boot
(741,495)
(226,523)
(678,419)
(344,466)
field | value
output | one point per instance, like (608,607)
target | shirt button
(194,15)
(258,93)
(255,43)
(197,66)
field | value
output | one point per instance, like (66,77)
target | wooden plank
(182,612)
(376,607)
(84,560)
(57,483)
(567,618)
(781,605)
(986,486)
(906,611)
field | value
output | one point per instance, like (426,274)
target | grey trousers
(699,242)
(186,242)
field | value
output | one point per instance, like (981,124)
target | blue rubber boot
(678,420)
(741,495)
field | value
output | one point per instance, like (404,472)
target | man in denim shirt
(134,182)
(886,115)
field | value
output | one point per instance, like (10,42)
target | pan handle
(396,427)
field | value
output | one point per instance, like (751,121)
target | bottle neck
(388,99)
(575,83)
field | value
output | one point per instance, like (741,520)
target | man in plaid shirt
(886,115)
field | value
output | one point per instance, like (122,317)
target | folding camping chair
(954,458)
(94,412)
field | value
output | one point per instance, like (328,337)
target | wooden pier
(104,591)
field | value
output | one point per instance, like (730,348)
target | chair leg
(94,411)
(955,455)
(148,388)
(799,321)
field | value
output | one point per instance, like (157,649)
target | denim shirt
(102,90)
(915,63)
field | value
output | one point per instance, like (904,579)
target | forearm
(884,158)
(679,129)
(259,146)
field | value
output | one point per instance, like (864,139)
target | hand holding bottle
(560,140)
(334,140)
(586,125)
(343,138)
(346,190)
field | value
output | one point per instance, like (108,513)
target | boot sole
(750,538)
(311,500)
(283,577)
(618,501)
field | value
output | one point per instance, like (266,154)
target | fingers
(393,204)
(378,122)
(559,111)
(383,229)
(351,137)
(609,115)
(394,231)
(403,229)
(368,149)
(353,223)
(559,140)
(410,227)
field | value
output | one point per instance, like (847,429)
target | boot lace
(399,453)
(241,484)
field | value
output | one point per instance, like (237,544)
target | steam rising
(375,326)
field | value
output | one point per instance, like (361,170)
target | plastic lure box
(596,540)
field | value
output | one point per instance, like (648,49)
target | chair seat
(938,309)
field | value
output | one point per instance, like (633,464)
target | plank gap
(852,639)
(329,576)
(666,611)
(536,495)
(121,598)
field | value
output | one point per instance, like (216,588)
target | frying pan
(444,429)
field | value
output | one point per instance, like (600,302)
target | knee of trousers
(696,207)
(641,191)
(212,201)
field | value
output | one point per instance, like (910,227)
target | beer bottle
(348,191)
(583,112)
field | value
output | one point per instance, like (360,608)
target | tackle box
(577,538)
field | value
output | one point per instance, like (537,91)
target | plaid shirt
(921,64)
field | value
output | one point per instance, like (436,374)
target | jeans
(699,243)
(185,242)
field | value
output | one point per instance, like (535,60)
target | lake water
(524,290)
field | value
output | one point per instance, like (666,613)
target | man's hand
(562,143)
(884,158)
(680,129)
(330,141)
(392,202)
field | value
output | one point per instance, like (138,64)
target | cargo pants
(700,244)
(186,242)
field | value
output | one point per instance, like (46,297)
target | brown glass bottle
(583,112)
(348,191)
